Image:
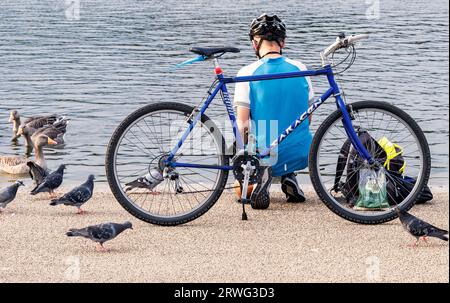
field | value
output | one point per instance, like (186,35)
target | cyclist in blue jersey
(266,108)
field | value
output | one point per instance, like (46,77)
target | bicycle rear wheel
(138,149)
(380,120)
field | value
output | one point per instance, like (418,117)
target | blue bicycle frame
(222,87)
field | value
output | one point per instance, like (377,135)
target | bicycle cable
(351,54)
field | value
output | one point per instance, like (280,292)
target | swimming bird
(34,122)
(77,196)
(419,228)
(15,119)
(100,233)
(55,131)
(17,165)
(51,182)
(38,122)
(8,194)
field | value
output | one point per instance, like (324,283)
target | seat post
(216,62)
(217,69)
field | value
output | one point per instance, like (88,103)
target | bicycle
(183,179)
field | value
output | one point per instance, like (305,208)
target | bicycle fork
(347,121)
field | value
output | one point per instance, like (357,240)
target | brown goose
(55,132)
(14,118)
(34,122)
(42,121)
(17,165)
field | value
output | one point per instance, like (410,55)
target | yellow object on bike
(392,151)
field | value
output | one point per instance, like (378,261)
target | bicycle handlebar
(342,42)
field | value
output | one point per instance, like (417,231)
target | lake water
(99,63)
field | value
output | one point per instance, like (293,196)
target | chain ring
(238,171)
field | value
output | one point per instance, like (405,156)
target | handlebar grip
(353,39)
(343,42)
(332,48)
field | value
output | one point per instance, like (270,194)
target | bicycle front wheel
(380,120)
(137,152)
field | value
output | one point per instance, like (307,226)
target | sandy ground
(286,243)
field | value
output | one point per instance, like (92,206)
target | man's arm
(242,105)
(243,118)
(311,96)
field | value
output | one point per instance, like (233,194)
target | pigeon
(37,173)
(420,229)
(51,182)
(100,233)
(149,181)
(77,196)
(8,194)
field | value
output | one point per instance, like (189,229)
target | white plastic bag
(372,190)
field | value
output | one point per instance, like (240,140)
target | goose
(17,165)
(14,118)
(55,132)
(34,122)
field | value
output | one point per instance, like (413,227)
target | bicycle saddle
(209,52)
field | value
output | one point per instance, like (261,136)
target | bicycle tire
(115,186)
(322,192)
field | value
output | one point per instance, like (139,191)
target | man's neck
(271,53)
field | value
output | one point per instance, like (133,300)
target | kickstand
(244,214)
(248,169)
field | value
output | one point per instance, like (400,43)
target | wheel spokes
(143,146)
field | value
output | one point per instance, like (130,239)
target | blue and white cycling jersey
(274,105)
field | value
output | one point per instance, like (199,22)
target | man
(267,108)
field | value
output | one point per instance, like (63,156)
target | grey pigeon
(8,194)
(100,233)
(419,228)
(149,181)
(77,196)
(51,182)
(37,173)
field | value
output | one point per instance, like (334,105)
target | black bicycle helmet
(269,28)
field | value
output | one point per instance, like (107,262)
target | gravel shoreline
(286,243)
